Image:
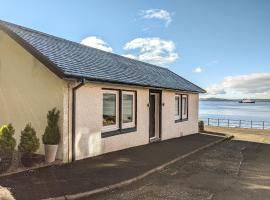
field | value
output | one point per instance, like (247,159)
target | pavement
(244,134)
(232,170)
(101,171)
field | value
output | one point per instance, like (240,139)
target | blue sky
(221,45)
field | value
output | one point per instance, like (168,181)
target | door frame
(160,114)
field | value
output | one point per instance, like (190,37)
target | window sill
(118,132)
(181,120)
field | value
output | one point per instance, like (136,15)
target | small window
(177,107)
(128,109)
(184,106)
(110,110)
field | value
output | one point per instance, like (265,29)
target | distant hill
(215,99)
(221,99)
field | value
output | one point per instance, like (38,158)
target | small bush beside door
(51,137)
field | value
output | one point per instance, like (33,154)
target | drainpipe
(82,82)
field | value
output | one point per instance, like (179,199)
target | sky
(221,45)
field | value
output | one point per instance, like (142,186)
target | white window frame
(185,110)
(129,124)
(177,117)
(116,125)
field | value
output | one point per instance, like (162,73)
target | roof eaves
(71,77)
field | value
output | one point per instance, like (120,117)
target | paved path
(245,134)
(233,170)
(93,173)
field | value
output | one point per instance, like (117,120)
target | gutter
(73,138)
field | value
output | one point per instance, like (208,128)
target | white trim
(116,125)
(130,124)
(185,109)
(157,107)
(176,117)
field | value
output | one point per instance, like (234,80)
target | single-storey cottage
(107,102)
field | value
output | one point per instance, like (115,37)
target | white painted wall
(89,121)
(170,129)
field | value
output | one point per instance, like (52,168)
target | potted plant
(7,146)
(201,126)
(51,137)
(29,144)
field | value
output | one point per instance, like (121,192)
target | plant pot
(29,159)
(50,152)
(5,162)
(201,126)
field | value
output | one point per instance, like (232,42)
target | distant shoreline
(221,99)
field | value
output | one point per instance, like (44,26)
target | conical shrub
(29,142)
(52,132)
(7,140)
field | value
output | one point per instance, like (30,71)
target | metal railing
(237,123)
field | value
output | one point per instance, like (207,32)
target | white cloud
(157,14)
(251,85)
(93,41)
(152,50)
(198,70)
(130,56)
(215,89)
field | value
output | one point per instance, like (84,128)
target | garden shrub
(7,140)
(29,142)
(52,131)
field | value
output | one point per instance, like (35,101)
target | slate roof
(73,60)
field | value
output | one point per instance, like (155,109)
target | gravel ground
(231,170)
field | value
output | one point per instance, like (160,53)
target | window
(119,112)
(128,109)
(177,107)
(181,107)
(184,106)
(110,110)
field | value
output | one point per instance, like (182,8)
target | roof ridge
(42,46)
(79,44)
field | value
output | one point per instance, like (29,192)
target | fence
(233,123)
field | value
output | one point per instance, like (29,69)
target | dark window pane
(177,106)
(184,105)
(127,109)
(109,109)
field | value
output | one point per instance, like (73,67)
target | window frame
(116,125)
(128,124)
(183,117)
(120,129)
(177,117)
(184,114)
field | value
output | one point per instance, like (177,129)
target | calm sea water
(260,111)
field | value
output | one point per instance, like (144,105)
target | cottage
(107,102)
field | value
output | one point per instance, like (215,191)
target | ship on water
(247,101)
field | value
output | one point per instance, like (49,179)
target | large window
(181,107)
(119,110)
(128,109)
(110,110)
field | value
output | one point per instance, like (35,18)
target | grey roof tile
(76,60)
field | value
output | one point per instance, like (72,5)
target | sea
(259,111)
